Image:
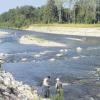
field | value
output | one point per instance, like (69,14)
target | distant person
(58,86)
(46,87)
(1,64)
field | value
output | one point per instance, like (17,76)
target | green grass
(58,97)
(67,25)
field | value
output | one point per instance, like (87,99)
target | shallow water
(31,63)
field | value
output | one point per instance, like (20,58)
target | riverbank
(10,89)
(68,29)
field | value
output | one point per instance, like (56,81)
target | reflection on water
(76,63)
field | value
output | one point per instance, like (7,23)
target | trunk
(60,16)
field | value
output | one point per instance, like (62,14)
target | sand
(67,31)
(39,42)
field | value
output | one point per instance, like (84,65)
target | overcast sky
(5,5)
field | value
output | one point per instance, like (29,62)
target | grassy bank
(58,25)
(68,25)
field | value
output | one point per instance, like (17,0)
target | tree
(71,9)
(98,11)
(84,11)
(77,11)
(59,4)
(51,11)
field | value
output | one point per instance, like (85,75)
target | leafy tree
(78,11)
(51,11)
(98,11)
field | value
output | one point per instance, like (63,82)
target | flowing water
(76,63)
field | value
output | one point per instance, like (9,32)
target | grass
(59,96)
(67,25)
(56,97)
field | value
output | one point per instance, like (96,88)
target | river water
(31,63)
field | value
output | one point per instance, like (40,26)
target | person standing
(1,62)
(58,87)
(46,87)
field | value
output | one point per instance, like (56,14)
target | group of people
(46,87)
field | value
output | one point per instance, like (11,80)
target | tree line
(54,11)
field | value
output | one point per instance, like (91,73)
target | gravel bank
(10,89)
(67,31)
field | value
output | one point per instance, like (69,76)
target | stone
(10,89)
(7,81)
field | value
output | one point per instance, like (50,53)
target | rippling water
(31,63)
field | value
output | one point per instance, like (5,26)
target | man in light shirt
(46,87)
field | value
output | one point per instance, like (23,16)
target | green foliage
(79,11)
(59,96)
(18,17)
(50,12)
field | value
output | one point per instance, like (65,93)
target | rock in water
(79,49)
(52,59)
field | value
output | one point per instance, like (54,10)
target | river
(76,63)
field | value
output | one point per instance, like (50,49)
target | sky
(5,5)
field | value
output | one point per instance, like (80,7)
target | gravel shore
(67,31)
(10,89)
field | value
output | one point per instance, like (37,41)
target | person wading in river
(1,62)
(46,87)
(58,87)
